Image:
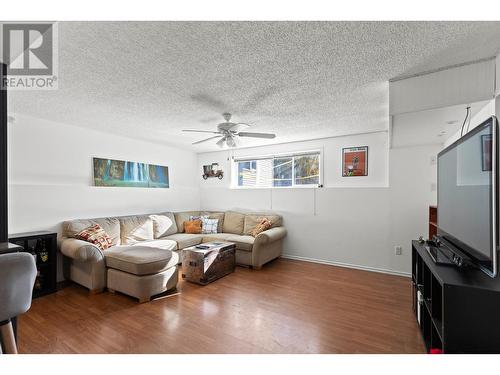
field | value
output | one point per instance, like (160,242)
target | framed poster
(120,173)
(486,148)
(355,161)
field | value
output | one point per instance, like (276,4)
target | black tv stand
(460,307)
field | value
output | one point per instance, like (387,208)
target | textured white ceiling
(301,80)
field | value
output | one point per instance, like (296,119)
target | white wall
(50,175)
(353,221)
(413,187)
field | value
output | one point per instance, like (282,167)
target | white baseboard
(347,265)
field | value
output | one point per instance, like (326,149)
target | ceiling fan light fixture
(230,142)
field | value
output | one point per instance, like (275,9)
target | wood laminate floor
(287,307)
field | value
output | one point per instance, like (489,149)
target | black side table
(43,246)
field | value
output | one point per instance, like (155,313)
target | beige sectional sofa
(87,265)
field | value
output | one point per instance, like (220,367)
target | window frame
(235,177)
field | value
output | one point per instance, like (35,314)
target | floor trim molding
(346,265)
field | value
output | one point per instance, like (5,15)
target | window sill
(274,187)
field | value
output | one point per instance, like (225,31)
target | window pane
(247,173)
(279,171)
(283,171)
(307,169)
(265,173)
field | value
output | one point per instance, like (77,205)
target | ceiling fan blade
(200,131)
(204,140)
(238,127)
(257,135)
(221,142)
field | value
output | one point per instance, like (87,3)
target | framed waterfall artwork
(355,161)
(119,173)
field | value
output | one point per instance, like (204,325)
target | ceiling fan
(228,132)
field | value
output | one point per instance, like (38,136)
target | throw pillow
(265,224)
(95,235)
(209,225)
(192,226)
(198,217)
(215,215)
(163,225)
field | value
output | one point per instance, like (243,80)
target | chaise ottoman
(141,271)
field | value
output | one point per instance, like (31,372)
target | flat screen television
(468,196)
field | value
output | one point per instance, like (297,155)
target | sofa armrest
(81,250)
(271,235)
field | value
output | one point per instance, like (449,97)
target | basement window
(277,171)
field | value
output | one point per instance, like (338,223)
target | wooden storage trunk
(202,266)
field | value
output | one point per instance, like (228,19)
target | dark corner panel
(3,158)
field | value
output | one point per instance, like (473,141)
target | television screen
(466,195)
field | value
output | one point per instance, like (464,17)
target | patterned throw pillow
(197,218)
(192,226)
(265,224)
(95,235)
(209,225)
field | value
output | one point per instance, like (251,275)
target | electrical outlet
(398,250)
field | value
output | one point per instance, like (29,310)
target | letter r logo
(28,48)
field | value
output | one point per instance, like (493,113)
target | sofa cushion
(110,224)
(233,222)
(160,244)
(216,215)
(140,260)
(136,228)
(185,239)
(163,224)
(244,243)
(181,217)
(216,237)
(252,220)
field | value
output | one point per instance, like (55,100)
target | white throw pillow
(163,225)
(209,225)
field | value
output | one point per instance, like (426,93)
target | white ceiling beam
(457,85)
